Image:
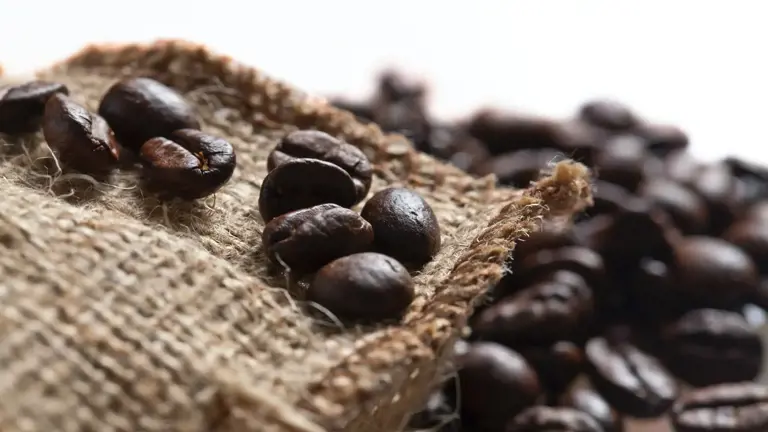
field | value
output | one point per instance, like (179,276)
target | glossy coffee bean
(189,164)
(366,287)
(496,384)
(314,144)
(737,407)
(140,109)
(713,272)
(608,114)
(458,147)
(22,106)
(711,346)
(522,167)
(590,402)
(577,259)
(557,364)
(622,161)
(543,313)
(80,138)
(307,239)
(505,132)
(550,419)
(753,178)
(633,382)
(404,226)
(663,139)
(550,235)
(405,117)
(304,183)
(686,209)
(608,198)
(751,235)
(720,191)
(682,167)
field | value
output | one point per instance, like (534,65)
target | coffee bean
(753,178)
(713,272)
(504,132)
(590,402)
(580,260)
(686,209)
(189,164)
(140,109)
(22,106)
(622,162)
(543,313)
(361,110)
(520,168)
(404,226)
(608,114)
(551,235)
(405,118)
(737,407)
(80,138)
(630,380)
(557,364)
(711,346)
(608,198)
(663,139)
(396,87)
(319,145)
(550,419)
(307,239)
(367,287)
(578,140)
(458,147)
(496,384)
(751,235)
(720,192)
(304,183)
(757,212)
(682,167)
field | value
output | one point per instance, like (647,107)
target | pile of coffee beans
(137,117)
(647,306)
(358,264)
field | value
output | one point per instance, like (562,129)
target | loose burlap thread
(119,312)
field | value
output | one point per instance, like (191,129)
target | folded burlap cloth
(119,312)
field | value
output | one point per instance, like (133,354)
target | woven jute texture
(119,312)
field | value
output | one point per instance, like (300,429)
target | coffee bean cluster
(358,264)
(648,305)
(137,117)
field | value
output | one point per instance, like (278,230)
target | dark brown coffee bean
(312,144)
(751,235)
(630,380)
(304,183)
(140,109)
(686,209)
(80,138)
(713,272)
(307,239)
(711,346)
(622,161)
(590,402)
(404,226)
(549,419)
(663,139)
(753,179)
(361,110)
(557,365)
(578,140)
(540,314)
(22,106)
(682,167)
(457,147)
(577,259)
(394,87)
(520,168)
(551,235)
(496,384)
(189,164)
(608,114)
(757,212)
(720,191)
(738,407)
(367,287)
(608,198)
(406,117)
(505,132)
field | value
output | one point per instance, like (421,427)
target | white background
(700,64)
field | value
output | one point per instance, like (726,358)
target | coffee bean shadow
(46,174)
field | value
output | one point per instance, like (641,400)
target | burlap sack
(121,313)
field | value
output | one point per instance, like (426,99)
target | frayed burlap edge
(404,360)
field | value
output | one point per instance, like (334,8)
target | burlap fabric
(119,312)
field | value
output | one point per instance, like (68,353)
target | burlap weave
(122,313)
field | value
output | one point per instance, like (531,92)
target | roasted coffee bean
(578,140)
(720,191)
(404,226)
(753,178)
(608,198)
(504,132)
(22,106)
(366,287)
(737,407)
(307,239)
(520,168)
(304,183)
(406,117)
(557,365)
(361,110)
(140,109)
(189,164)
(396,87)
(663,139)
(457,147)
(543,313)
(751,235)
(550,419)
(711,346)
(608,114)
(496,384)
(80,138)
(686,209)
(551,235)
(713,272)
(577,259)
(622,161)
(682,167)
(590,402)
(630,380)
